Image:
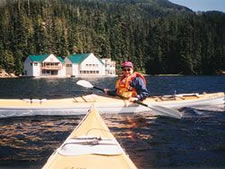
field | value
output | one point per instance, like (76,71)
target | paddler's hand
(133,99)
(106,91)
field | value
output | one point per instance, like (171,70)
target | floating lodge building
(76,65)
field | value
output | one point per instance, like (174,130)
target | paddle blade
(84,83)
(164,111)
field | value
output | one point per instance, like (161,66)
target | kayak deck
(98,99)
(192,99)
(80,105)
(91,146)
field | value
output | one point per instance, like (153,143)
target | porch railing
(50,67)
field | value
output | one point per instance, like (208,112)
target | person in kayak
(131,85)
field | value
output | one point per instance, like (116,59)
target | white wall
(75,70)
(51,58)
(110,66)
(36,69)
(91,63)
(68,70)
(32,68)
(28,67)
(62,72)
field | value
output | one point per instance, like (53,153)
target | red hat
(127,64)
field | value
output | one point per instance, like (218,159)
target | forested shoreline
(160,38)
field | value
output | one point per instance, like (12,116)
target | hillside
(158,36)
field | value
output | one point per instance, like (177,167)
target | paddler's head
(127,68)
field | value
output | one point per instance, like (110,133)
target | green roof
(38,58)
(78,58)
(60,59)
(41,58)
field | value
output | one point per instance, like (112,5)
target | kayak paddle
(158,110)
(87,84)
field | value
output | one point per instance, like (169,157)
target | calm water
(196,141)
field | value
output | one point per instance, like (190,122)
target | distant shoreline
(8,76)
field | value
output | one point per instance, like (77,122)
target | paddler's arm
(140,87)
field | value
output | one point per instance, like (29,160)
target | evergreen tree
(157,36)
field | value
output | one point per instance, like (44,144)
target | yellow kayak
(90,146)
(105,104)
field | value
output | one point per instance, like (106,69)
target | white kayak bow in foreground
(91,145)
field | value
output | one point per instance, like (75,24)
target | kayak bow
(90,146)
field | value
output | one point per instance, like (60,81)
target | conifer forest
(159,37)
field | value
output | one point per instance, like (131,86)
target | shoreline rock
(4,74)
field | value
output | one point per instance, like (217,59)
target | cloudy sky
(202,5)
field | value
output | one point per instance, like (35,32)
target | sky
(202,5)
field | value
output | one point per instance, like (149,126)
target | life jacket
(123,85)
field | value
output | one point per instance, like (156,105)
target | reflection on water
(195,141)
(33,138)
(66,87)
